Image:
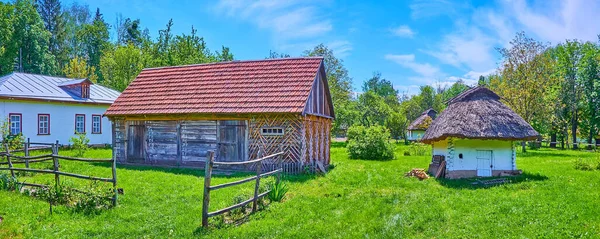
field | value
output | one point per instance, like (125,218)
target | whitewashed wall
(502,154)
(62,120)
(440,148)
(415,134)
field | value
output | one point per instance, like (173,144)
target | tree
(427,98)
(383,88)
(190,49)
(275,55)
(8,47)
(527,82)
(568,56)
(31,39)
(121,66)
(589,78)
(75,17)
(77,68)
(340,84)
(397,123)
(373,109)
(94,39)
(129,31)
(54,22)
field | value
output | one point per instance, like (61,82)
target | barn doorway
(484,163)
(232,141)
(135,145)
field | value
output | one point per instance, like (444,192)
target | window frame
(47,126)
(99,124)
(273,131)
(76,115)
(10,115)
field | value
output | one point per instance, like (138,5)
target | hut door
(135,144)
(484,163)
(232,140)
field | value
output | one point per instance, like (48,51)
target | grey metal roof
(41,87)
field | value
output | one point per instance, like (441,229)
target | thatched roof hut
(478,114)
(475,136)
(417,128)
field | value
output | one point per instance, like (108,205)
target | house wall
(415,134)
(440,147)
(503,156)
(186,142)
(62,120)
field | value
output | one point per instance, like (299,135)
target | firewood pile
(418,173)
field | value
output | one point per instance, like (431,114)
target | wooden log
(114,182)
(257,186)
(206,198)
(32,157)
(248,162)
(60,173)
(55,164)
(224,185)
(227,209)
(27,153)
(83,159)
(30,161)
(10,165)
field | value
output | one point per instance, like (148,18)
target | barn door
(484,163)
(232,140)
(135,142)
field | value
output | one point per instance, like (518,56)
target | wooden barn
(241,110)
(475,136)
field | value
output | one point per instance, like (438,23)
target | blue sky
(411,43)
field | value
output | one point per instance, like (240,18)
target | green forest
(556,88)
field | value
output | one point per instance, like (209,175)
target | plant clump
(370,143)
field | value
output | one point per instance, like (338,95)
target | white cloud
(403,31)
(408,61)
(340,49)
(293,24)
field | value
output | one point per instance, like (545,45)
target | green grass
(356,199)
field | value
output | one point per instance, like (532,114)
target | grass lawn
(356,199)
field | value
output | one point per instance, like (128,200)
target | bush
(14,141)
(278,191)
(9,183)
(80,144)
(419,149)
(91,200)
(371,143)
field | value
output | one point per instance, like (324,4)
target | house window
(16,123)
(96,124)
(79,123)
(272,131)
(85,91)
(43,124)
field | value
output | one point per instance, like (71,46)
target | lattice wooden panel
(317,139)
(290,142)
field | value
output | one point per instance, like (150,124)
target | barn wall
(317,140)
(502,154)
(118,139)
(291,143)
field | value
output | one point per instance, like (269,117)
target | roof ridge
(234,61)
(60,77)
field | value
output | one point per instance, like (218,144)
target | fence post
(257,185)
(55,161)
(10,165)
(114,182)
(27,153)
(57,145)
(206,199)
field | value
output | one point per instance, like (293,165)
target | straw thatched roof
(420,122)
(478,114)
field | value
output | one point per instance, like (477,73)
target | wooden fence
(258,165)
(11,160)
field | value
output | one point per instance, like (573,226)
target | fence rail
(54,157)
(208,188)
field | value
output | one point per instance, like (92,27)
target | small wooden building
(241,110)
(417,128)
(475,136)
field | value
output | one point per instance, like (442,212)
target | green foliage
(278,191)
(370,143)
(586,164)
(92,199)
(9,183)
(80,143)
(418,149)
(372,109)
(120,66)
(14,141)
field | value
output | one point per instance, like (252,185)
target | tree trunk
(590,138)
(553,140)
(574,129)
(524,146)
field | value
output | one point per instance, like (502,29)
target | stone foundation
(473,173)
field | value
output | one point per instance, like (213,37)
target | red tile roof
(260,86)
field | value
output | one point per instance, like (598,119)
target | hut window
(460,156)
(272,131)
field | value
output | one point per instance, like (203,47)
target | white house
(417,128)
(475,135)
(47,108)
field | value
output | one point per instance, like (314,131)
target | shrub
(9,183)
(419,149)
(369,143)
(91,200)
(278,191)
(80,143)
(14,141)
(584,165)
